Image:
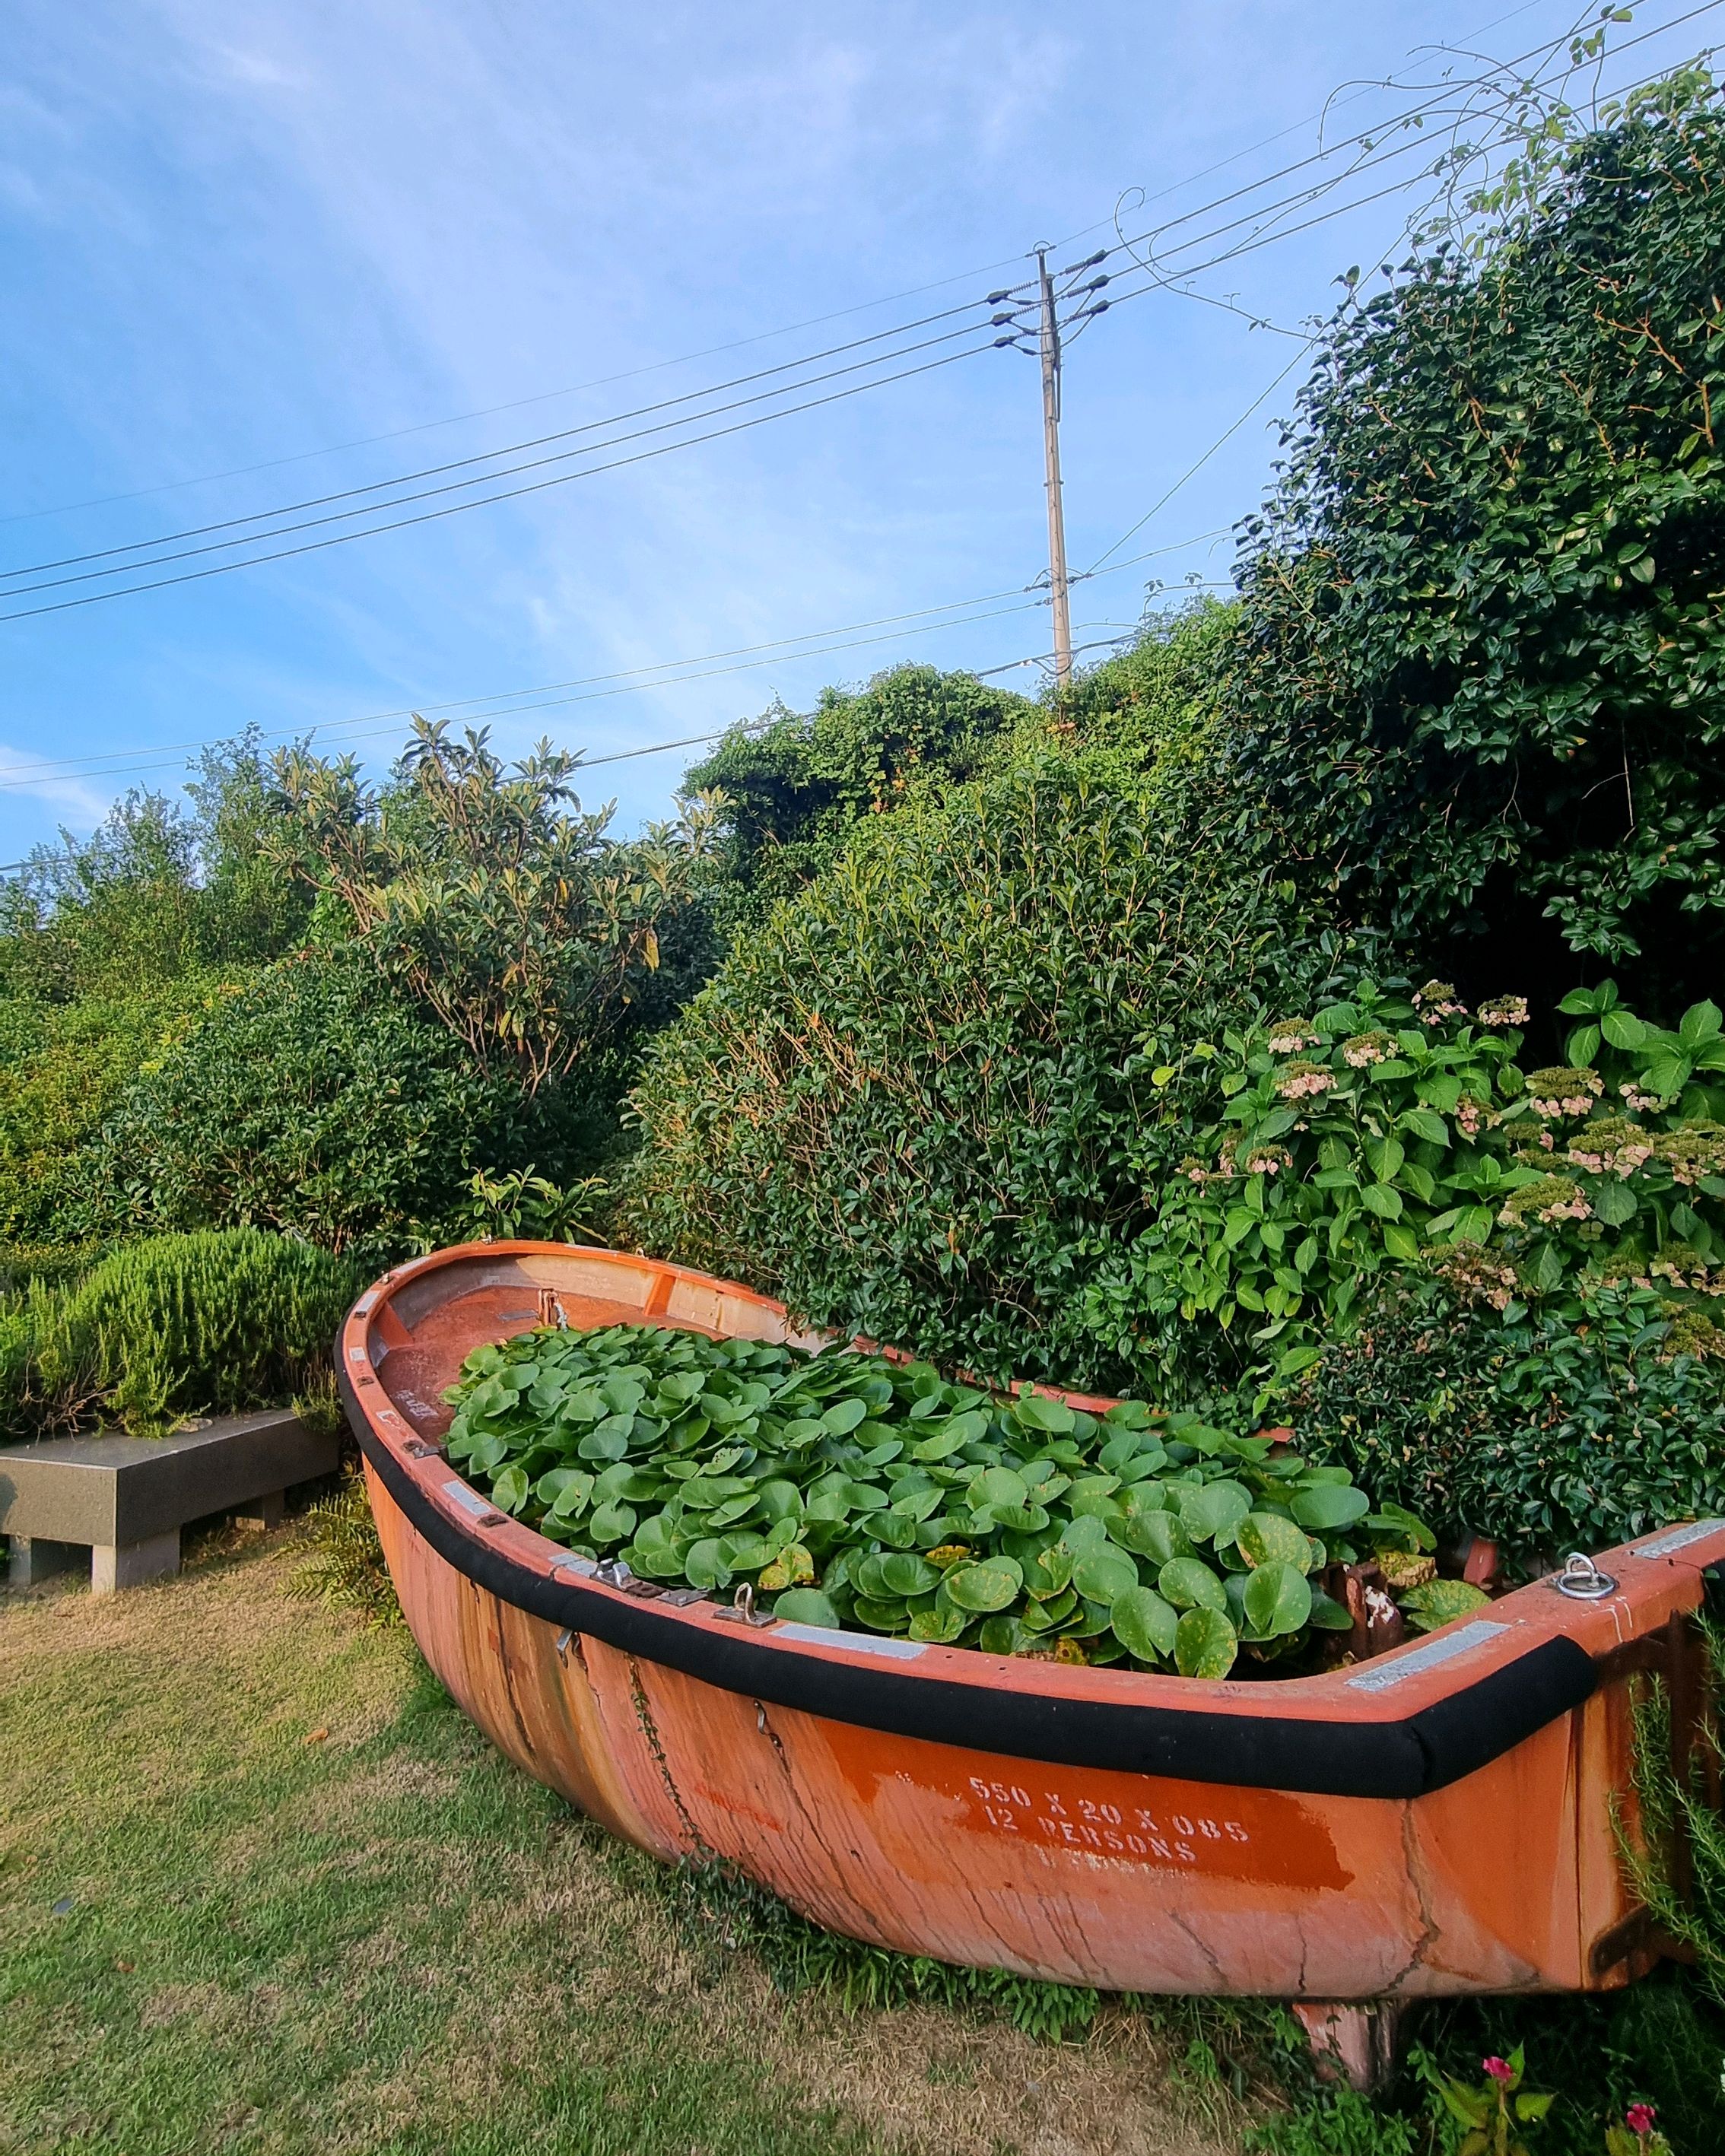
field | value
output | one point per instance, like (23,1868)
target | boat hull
(1446,1826)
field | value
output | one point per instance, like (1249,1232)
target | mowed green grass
(262,1889)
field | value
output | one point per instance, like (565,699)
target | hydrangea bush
(1390,1129)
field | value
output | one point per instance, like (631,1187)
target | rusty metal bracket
(1636,1934)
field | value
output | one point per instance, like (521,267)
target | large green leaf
(1156,1535)
(1267,1538)
(1144,1623)
(1278,1600)
(1204,1644)
(1100,1574)
(987,1586)
(806,1605)
(1188,1583)
(1329,1507)
(1212,1511)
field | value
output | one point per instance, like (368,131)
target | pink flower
(1640,2117)
(1501,2070)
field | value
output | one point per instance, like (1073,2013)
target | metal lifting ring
(1582,1579)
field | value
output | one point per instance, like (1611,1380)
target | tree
(493,899)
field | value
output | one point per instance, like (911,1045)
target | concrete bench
(125,1499)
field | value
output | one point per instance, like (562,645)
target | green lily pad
(1144,1623)
(906,1575)
(745,1552)
(984,1587)
(1046,1616)
(511,1491)
(1441,1601)
(1084,1532)
(1278,1600)
(1156,1535)
(1267,1538)
(961,1429)
(807,1605)
(1204,1645)
(1329,1507)
(1000,1635)
(997,1486)
(551,1484)
(1050,1573)
(1037,1413)
(1100,1574)
(704,1565)
(1189,1584)
(1213,1510)
(1327,1614)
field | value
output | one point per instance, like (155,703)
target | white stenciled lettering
(1091,1825)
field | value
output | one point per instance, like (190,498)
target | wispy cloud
(74,797)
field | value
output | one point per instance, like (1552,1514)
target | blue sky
(234,236)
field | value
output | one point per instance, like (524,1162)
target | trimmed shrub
(205,1323)
(914,1102)
(62,1067)
(1547,1431)
(313,1101)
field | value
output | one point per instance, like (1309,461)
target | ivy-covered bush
(913,1103)
(794,789)
(1549,1428)
(1480,686)
(312,1100)
(178,1325)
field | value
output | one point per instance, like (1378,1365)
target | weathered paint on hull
(1505,1878)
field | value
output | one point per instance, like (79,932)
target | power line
(1192,471)
(166,755)
(450,486)
(511,494)
(1369,137)
(1261,238)
(1266,239)
(509,449)
(696,396)
(710,351)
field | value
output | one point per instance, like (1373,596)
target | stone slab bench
(125,1499)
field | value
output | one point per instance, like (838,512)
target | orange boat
(1439,1819)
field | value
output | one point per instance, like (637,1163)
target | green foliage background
(796,785)
(911,1103)
(1479,688)
(313,1100)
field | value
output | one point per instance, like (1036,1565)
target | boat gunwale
(1326,1734)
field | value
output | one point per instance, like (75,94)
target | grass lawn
(263,1889)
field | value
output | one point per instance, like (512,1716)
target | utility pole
(1051,463)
